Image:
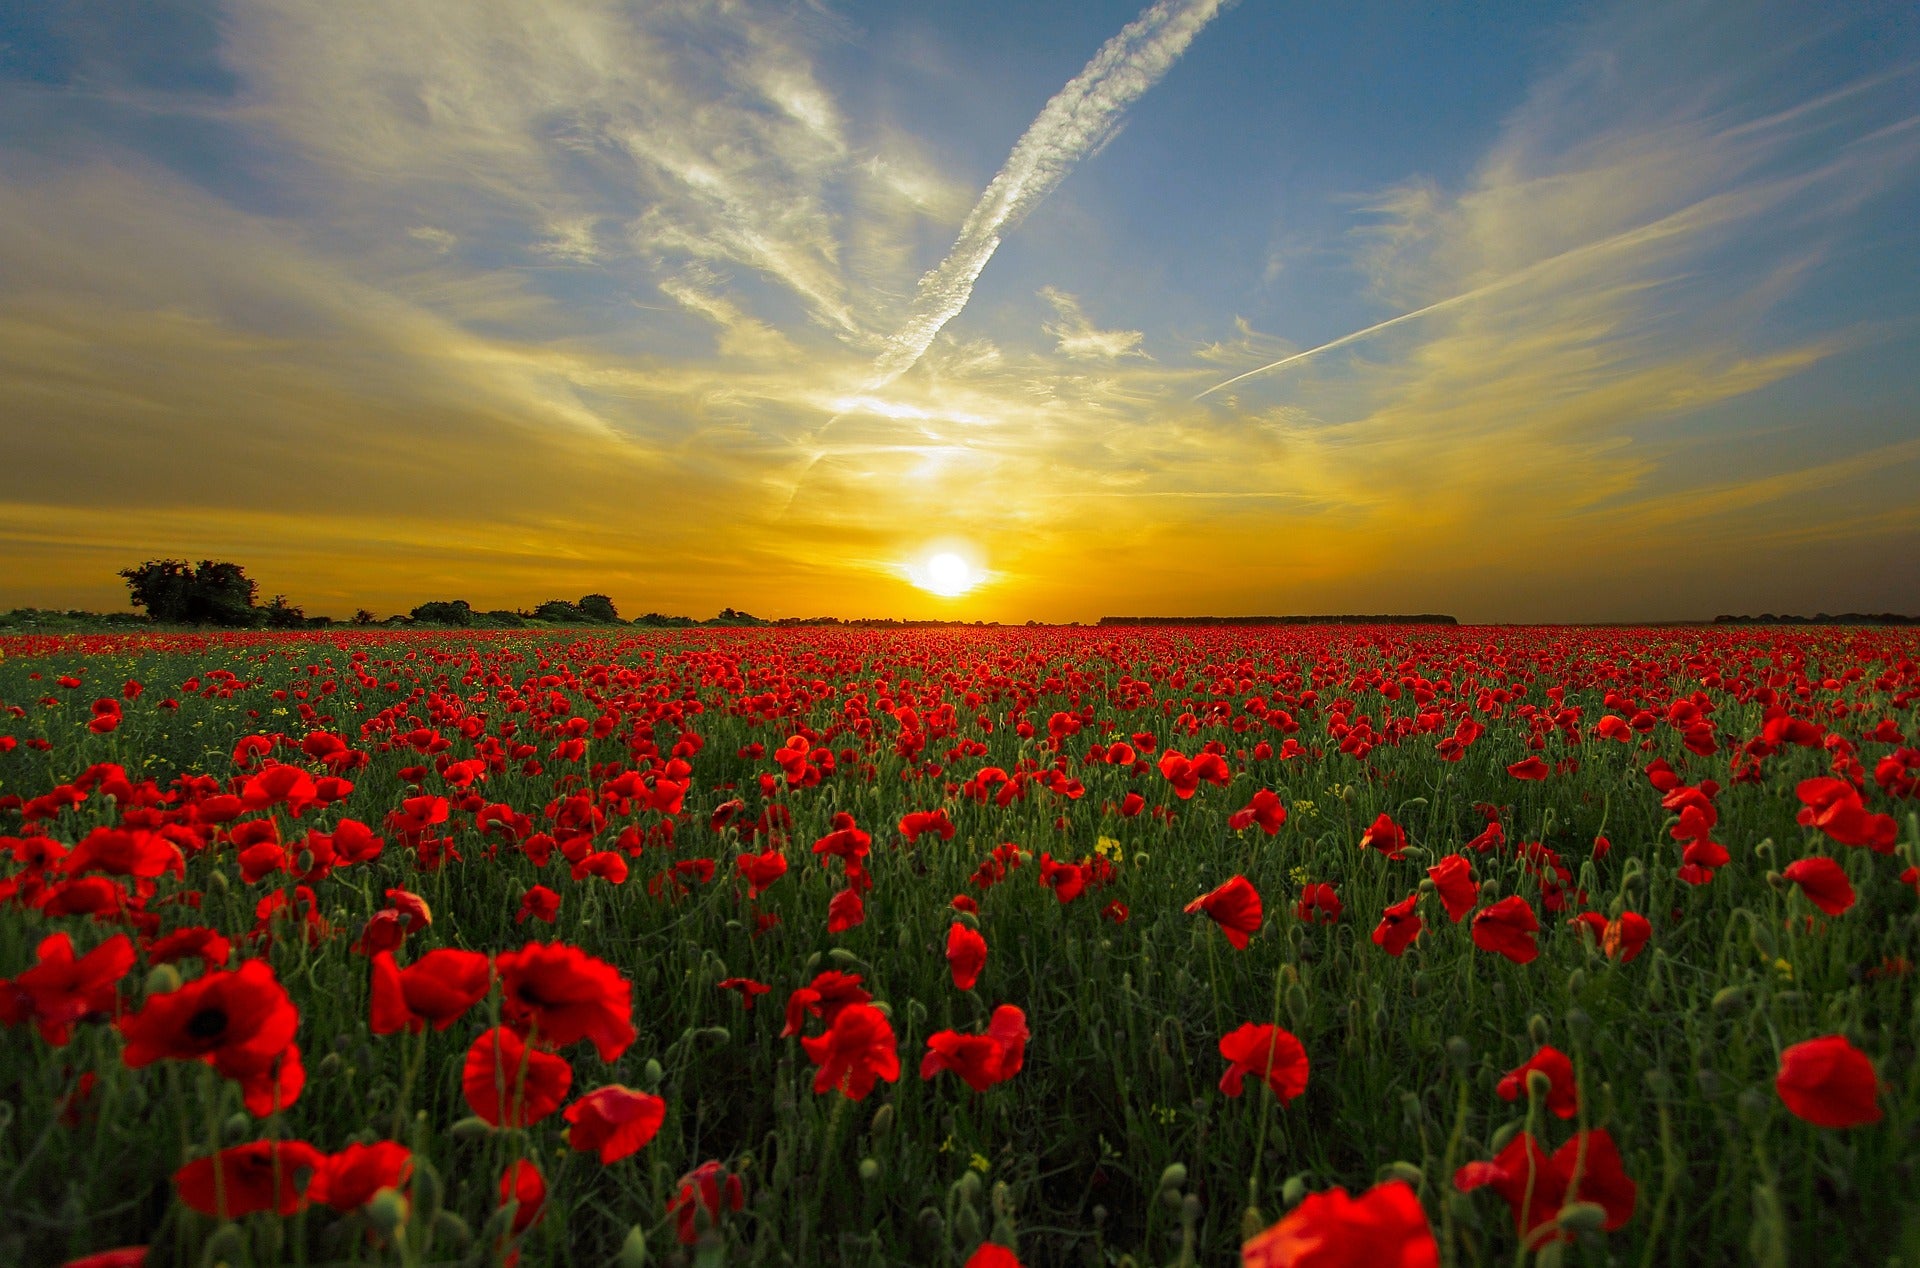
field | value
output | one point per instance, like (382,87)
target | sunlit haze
(1510,311)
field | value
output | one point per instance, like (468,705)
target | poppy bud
(1728,1000)
(1708,1081)
(1190,1210)
(1490,889)
(1539,1083)
(1000,1198)
(966,1224)
(652,1074)
(472,1127)
(812,965)
(1583,1217)
(238,1127)
(1762,937)
(720,1036)
(869,1170)
(387,1211)
(1537,1029)
(1174,1177)
(217,880)
(447,1224)
(882,1122)
(967,1188)
(1779,883)
(1658,1082)
(1577,981)
(1755,1105)
(1764,849)
(844,958)
(1294,1189)
(633,1251)
(1251,1223)
(1578,1022)
(162,978)
(1297,1005)
(1400,1170)
(330,1065)
(1460,1051)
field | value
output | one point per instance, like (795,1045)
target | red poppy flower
(508,1082)
(1453,879)
(1531,768)
(241,1022)
(916,822)
(124,1257)
(263,1175)
(1535,1186)
(824,997)
(1266,1052)
(614,1121)
(1835,807)
(747,987)
(1066,880)
(1829,1082)
(857,1049)
(61,989)
(1318,904)
(992,1255)
(1563,1095)
(1235,907)
(567,995)
(705,1191)
(438,987)
(133,852)
(845,910)
(761,870)
(1385,836)
(1265,809)
(966,955)
(1399,925)
(1507,928)
(538,903)
(347,1181)
(1626,935)
(980,1060)
(1823,881)
(1385,1226)
(521,1183)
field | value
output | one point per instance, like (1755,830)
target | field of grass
(1657,802)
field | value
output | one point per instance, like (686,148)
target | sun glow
(947,574)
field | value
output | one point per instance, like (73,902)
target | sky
(1512,311)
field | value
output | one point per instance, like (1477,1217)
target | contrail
(1705,212)
(1078,120)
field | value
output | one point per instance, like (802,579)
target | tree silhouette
(214,593)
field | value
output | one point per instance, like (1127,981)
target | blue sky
(763,304)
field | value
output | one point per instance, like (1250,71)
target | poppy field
(1081,946)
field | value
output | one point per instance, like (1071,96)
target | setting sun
(946,574)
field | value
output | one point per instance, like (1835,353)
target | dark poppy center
(208,1023)
(528,995)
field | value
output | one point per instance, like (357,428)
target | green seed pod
(869,1170)
(162,979)
(633,1251)
(387,1211)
